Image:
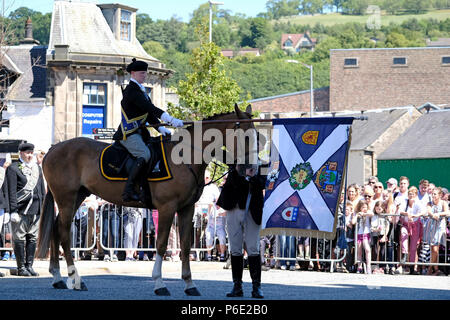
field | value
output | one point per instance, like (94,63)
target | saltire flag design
(307,166)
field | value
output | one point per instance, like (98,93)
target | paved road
(132,281)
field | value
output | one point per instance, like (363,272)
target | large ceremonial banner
(307,164)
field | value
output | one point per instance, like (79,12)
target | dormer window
(288,43)
(125,25)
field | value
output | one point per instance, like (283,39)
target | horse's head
(244,139)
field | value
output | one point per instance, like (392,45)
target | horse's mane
(215,116)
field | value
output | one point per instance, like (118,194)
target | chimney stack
(29,33)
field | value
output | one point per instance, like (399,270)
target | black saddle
(116,161)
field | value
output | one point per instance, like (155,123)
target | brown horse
(72,172)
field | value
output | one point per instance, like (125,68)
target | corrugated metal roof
(427,138)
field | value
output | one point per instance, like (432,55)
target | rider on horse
(137,111)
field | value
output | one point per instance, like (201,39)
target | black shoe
(254,266)
(19,251)
(129,194)
(237,267)
(237,290)
(23,272)
(2,274)
(30,249)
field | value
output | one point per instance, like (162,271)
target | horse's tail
(46,225)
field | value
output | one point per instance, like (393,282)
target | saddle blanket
(114,158)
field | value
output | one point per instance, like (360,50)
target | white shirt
(140,86)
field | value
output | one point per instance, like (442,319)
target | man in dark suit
(137,111)
(242,197)
(4,207)
(26,192)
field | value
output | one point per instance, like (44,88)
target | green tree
(282,8)
(260,34)
(396,40)
(417,6)
(155,49)
(208,89)
(322,50)
(41,25)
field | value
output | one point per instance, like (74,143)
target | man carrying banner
(242,197)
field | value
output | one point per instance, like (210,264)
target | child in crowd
(350,237)
(362,219)
(379,228)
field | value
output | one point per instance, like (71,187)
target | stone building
(363,79)
(89,48)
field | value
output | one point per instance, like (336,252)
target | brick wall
(293,102)
(376,83)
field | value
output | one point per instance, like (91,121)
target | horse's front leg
(185,223)
(165,218)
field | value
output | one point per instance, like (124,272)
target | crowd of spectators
(390,228)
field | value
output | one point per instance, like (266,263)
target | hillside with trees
(173,41)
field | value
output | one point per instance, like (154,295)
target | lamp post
(311,90)
(211,3)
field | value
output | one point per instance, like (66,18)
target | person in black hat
(242,198)
(26,192)
(137,111)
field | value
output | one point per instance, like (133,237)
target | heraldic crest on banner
(308,163)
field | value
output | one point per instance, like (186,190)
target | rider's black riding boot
(237,267)
(19,251)
(30,249)
(254,266)
(129,194)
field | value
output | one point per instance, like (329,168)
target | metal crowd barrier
(105,228)
(319,250)
(397,247)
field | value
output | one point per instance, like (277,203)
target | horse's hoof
(192,292)
(82,287)
(162,292)
(60,285)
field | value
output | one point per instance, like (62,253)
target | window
(125,25)
(94,107)
(399,61)
(288,43)
(351,62)
(446,60)
(94,94)
(305,43)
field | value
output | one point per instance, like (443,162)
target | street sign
(110,131)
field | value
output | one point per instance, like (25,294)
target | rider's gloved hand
(171,120)
(164,131)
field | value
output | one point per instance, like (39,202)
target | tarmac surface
(129,280)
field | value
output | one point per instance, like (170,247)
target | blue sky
(157,9)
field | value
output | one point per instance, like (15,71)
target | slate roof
(83,27)
(427,138)
(31,61)
(367,132)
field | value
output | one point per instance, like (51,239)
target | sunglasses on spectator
(372,182)
(376,187)
(367,196)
